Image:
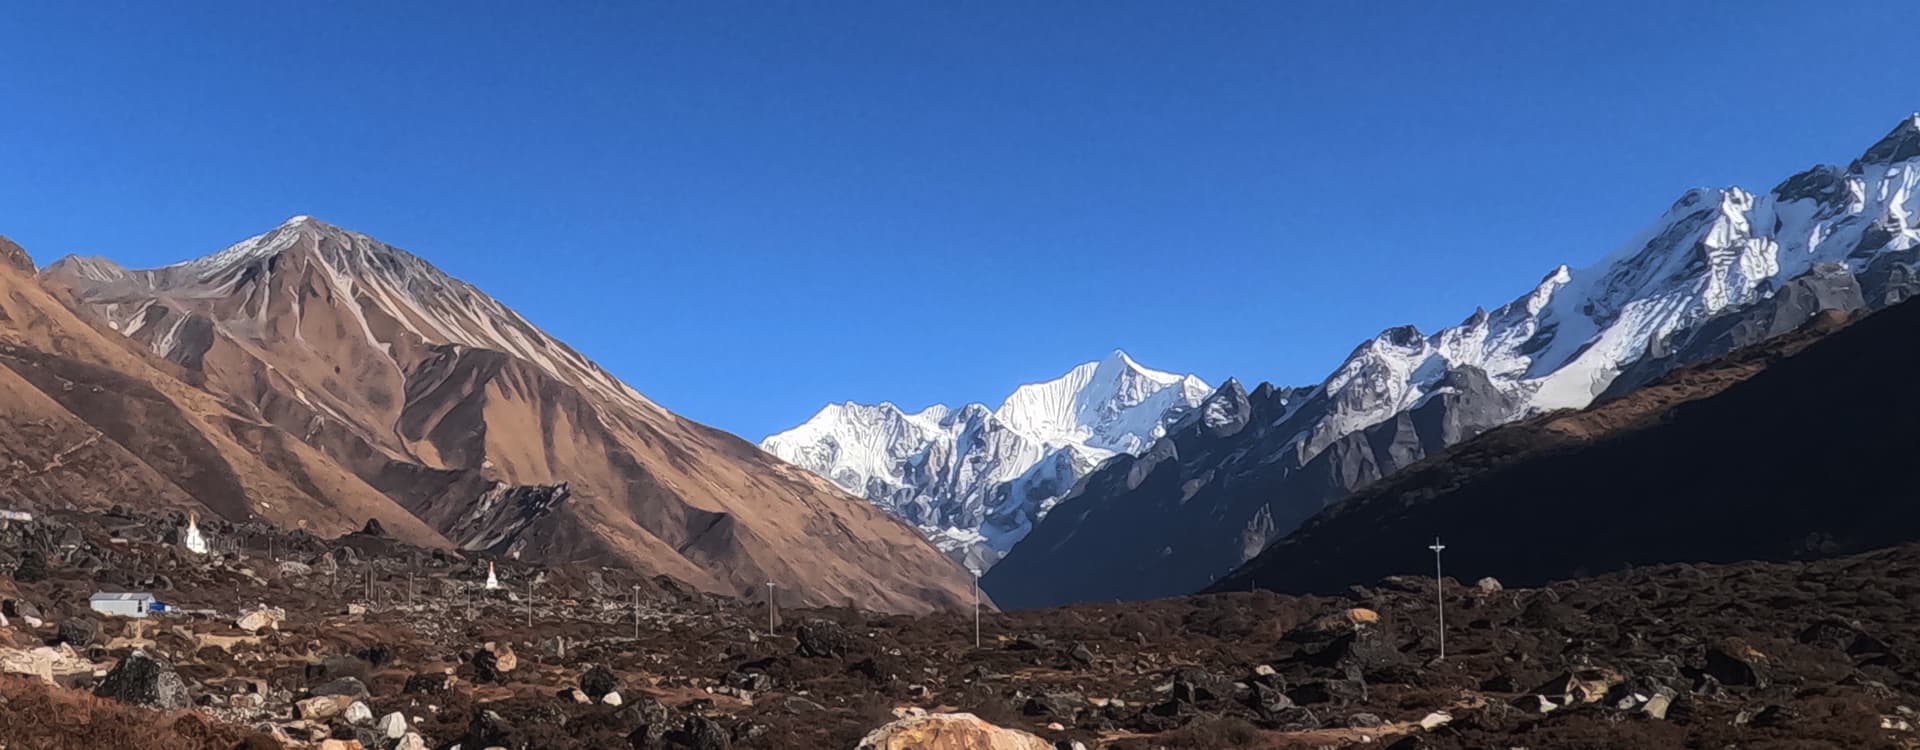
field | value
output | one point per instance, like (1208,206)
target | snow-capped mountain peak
(974,478)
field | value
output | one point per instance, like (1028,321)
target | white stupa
(493,581)
(193,541)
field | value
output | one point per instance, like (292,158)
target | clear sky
(750,209)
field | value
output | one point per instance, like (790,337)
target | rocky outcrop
(143,680)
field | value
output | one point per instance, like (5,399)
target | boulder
(1735,663)
(949,732)
(79,632)
(1365,721)
(599,681)
(321,707)
(411,741)
(261,618)
(698,733)
(1488,585)
(429,684)
(143,680)
(503,657)
(350,687)
(612,698)
(392,726)
(357,713)
(823,639)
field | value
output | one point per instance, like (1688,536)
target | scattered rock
(357,713)
(1364,721)
(612,698)
(1488,585)
(411,741)
(143,680)
(1438,719)
(1080,654)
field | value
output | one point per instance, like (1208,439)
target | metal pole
(529,601)
(636,611)
(1439,595)
(769,608)
(976,609)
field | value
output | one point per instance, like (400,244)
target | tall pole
(976,609)
(769,608)
(1439,595)
(529,601)
(636,611)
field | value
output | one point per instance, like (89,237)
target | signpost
(1439,595)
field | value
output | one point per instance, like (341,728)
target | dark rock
(1774,716)
(143,680)
(698,733)
(1735,663)
(78,632)
(1031,642)
(1054,705)
(1501,683)
(1080,654)
(429,683)
(1364,721)
(485,730)
(350,687)
(32,567)
(486,667)
(1200,687)
(378,655)
(749,681)
(373,528)
(19,608)
(599,681)
(823,639)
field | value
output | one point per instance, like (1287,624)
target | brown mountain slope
(88,420)
(493,432)
(1791,449)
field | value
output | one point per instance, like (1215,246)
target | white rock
(393,725)
(411,741)
(358,713)
(1435,720)
(611,699)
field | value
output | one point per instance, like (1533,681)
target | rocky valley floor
(289,640)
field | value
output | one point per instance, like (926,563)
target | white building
(132,604)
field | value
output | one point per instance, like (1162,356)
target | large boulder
(54,664)
(143,680)
(823,638)
(79,632)
(949,732)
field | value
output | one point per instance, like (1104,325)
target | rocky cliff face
(1721,268)
(498,435)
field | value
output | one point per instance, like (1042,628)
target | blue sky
(750,209)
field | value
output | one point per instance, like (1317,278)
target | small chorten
(193,541)
(493,581)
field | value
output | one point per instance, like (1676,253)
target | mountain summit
(497,435)
(976,479)
(1721,268)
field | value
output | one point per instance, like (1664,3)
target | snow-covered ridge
(975,479)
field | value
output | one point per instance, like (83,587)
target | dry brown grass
(37,716)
